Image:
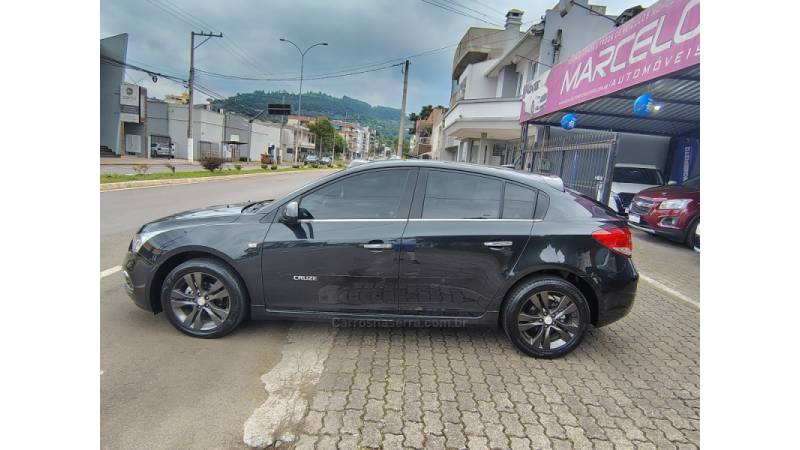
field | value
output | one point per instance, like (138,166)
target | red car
(671,211)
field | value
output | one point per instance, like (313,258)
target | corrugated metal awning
(678,94)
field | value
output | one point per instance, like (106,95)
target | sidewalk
(128,160)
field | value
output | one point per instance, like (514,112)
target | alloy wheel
(200,301)
(549,320)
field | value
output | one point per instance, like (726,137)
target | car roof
(529,178)
(637,166)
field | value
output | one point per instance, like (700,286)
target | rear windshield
(637,175)
(580,206)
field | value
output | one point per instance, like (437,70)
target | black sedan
(422,242)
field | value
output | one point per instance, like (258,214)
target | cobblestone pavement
(674,265)
(634,383)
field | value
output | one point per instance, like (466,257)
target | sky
(358,33)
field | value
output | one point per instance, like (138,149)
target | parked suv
(671,211)
(311,159)
(401,242)
(628,180)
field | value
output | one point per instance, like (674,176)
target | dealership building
(632,96)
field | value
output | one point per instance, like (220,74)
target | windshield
(692,182)
(637,175)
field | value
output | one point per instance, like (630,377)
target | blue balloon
(643,106)
(569,121)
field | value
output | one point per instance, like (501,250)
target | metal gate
(205,148)
(583,160)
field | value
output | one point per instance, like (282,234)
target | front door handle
(378,246)
(498,244)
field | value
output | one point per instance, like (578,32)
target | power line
(490,7)
(465,7)
(194,22)
(343,73)
(459,12)
(316,77)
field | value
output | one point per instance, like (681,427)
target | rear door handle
(497,244)
(378,246)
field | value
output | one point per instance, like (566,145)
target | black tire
(524,299)
(174,292)
(691,233)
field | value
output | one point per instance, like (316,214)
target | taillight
(618,240)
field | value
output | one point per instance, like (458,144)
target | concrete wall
(262,137)
(111,78)
(580,28)
(507,82)
(208,126)
(177,128)
(235,125)
(477,84)
(157,118)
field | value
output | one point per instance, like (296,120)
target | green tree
(339,147)
(324,132)
(425,112)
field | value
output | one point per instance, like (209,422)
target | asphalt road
(159,388)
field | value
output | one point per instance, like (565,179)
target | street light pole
(300,95)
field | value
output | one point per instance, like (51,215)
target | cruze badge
(304,278)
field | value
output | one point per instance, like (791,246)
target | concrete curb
(157,183)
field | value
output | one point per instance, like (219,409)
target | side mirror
(671,182)
(290,213)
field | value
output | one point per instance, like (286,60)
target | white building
(223,133)
(490,67)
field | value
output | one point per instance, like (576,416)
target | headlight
(674,204)
(139,239)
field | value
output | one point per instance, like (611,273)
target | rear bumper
(618,296)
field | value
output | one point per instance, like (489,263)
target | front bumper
(672,234)
(136,271)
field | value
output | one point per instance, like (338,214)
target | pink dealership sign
(660,40)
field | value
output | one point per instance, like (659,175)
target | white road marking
(110,271)
(668,290)
(101,372)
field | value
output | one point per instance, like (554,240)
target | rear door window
(518,202)
(455,195)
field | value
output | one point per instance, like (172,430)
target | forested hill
(384,119)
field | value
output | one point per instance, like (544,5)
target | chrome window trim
(418,220)
(351,220)
(475,220)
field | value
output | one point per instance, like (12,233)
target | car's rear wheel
(203,298)
(546,317)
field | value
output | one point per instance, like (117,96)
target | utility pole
(192,47)
(403,110)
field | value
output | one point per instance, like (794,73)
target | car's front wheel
(546,317)
(203,298)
